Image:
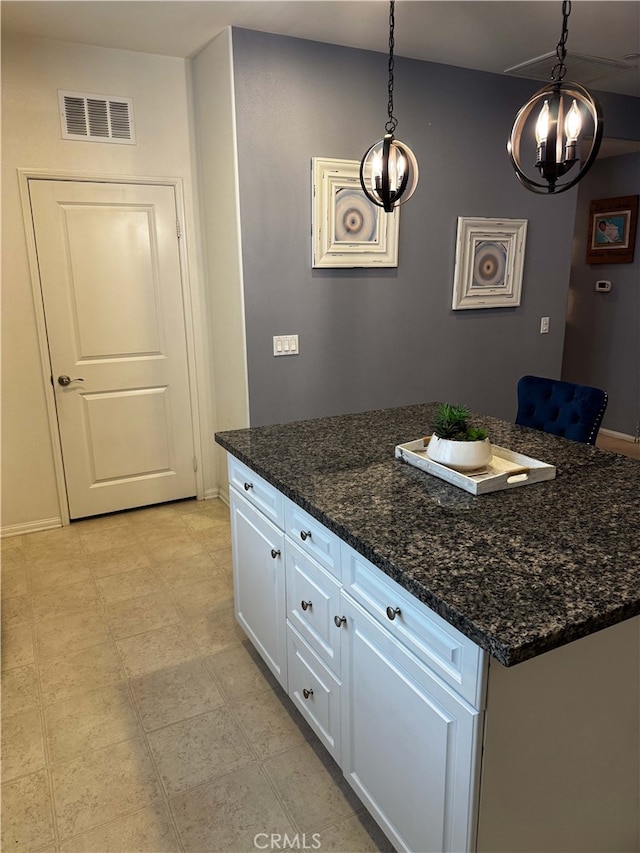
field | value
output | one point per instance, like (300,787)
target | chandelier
(389,169)
(564,108)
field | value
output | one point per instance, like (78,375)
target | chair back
(561,408)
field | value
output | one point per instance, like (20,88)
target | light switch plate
(285,345)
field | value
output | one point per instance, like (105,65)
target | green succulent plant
(452,422)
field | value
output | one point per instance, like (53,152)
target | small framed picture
(348,229)
(612,230)
(489,263)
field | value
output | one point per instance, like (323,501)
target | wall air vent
(580,67)
(96,118)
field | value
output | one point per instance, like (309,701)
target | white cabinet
(410,745)
(391,690)
(259,582)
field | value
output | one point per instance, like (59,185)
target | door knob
(67,380)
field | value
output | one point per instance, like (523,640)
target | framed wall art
(347,229)
(489,263)
(612,230)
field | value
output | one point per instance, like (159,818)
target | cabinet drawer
(445,650)
(256,490)
(313,537)
(313,602)
(315,691)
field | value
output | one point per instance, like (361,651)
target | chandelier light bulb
(542,125)
(573,123)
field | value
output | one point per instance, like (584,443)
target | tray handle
(518,475)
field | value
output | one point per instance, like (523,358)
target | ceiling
(486,35)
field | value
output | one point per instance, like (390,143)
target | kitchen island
(542,584)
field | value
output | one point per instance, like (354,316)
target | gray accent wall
(376,338)
(602,342)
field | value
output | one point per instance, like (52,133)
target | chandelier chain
(559,69)
(392,122)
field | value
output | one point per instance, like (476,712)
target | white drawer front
(313,537)
(256,490)
(452,656)
(313,602)
(315,691)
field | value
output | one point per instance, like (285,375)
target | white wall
(215,132)
(32,72)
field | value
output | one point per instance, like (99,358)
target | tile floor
(135,716)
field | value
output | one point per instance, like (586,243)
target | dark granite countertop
(519,572)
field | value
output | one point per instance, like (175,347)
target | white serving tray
(506,470)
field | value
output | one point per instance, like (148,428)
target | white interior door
(112,292)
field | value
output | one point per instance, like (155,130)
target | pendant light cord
(392,122)
(559,69)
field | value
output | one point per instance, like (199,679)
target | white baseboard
(30,527)
(217,493)
(623,436)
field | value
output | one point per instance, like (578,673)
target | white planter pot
(460,455)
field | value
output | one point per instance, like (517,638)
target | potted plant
(455,443)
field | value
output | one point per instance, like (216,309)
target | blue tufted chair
(561,408)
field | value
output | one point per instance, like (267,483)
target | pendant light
(389,169)
(563,110)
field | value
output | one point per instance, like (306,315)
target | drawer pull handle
(275,553)
(306,693)
(305,534)
(305,605)
(248,486)
(339,620)
(392,612)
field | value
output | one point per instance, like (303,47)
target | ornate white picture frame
(347,229)
(489,263)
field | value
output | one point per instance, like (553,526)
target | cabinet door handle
(305,605)
(275,553)
(248,486)
(306,693)
(339,620)
(392,612)
(305,534)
